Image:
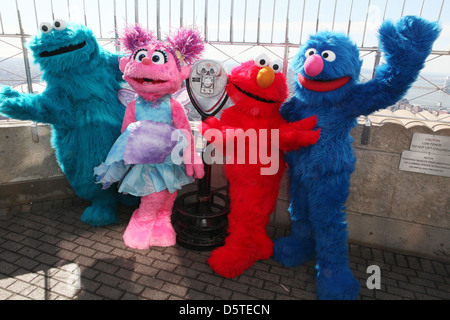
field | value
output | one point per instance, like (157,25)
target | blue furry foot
(291,251)
(339,285)
(100,214)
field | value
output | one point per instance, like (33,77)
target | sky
(242,15)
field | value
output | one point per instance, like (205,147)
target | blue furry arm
(22,106)
(405,46)
(34,107)
(113,65)
(291,110)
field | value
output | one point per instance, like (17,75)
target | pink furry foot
(138,232)
(163,234)
(231,261)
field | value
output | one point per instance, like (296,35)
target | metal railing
(234,30)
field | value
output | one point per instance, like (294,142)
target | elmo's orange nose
(265,77)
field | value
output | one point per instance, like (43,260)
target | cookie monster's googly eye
(329,55)
(262,60)
(59,25)
(159,57)
(277,65)
(310,52)
(45,27)
(140,55)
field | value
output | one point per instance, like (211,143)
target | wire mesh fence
(235,31)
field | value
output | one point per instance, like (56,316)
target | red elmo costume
(257,90)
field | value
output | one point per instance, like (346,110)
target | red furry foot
(231,261)
(263,246)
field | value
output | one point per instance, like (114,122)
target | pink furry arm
(129,116)
(193,163)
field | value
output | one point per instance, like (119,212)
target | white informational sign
(430,143)
(428,163)
(429,154)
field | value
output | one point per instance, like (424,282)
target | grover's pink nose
(313,65)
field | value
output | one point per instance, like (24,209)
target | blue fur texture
(82,106)
(320,174)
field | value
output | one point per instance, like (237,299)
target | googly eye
(276,65)
(45,27)
(140,55)
(329,55)
(159,57)
(310,52)
(262,60)
(59,25)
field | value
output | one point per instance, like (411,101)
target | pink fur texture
(153,214)
(153,79)
(155,69)
(135,36)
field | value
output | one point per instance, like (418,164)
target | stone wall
(28,170)
(387,207)
(397,209)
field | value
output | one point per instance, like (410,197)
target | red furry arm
(294,135)
(130,115)
(227,125)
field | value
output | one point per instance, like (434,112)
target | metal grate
(234,30)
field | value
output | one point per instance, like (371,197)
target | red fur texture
(253,195)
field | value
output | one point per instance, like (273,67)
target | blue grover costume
(327,70)
(81,104)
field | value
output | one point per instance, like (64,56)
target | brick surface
(47,253)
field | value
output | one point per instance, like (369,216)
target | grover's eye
(277,65)
(59,25)
(140,55)
(310,52)
(45,27)
(159,57)
(329,55)
(262,60)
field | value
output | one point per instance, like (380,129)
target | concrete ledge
(401,236)
(26,192)
(21,158)
(387,208)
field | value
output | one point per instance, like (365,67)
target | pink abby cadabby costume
(154,124)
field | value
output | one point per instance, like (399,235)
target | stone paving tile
(47,253)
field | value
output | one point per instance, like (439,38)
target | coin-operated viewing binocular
(200,217)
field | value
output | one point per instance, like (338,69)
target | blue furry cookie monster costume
(327,70)
(81,104)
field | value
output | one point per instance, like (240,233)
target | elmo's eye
(329,55)
(277,66)
(159,57)
(262,60)
(310,52)
(140,55)
(45,27)
(59,25)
